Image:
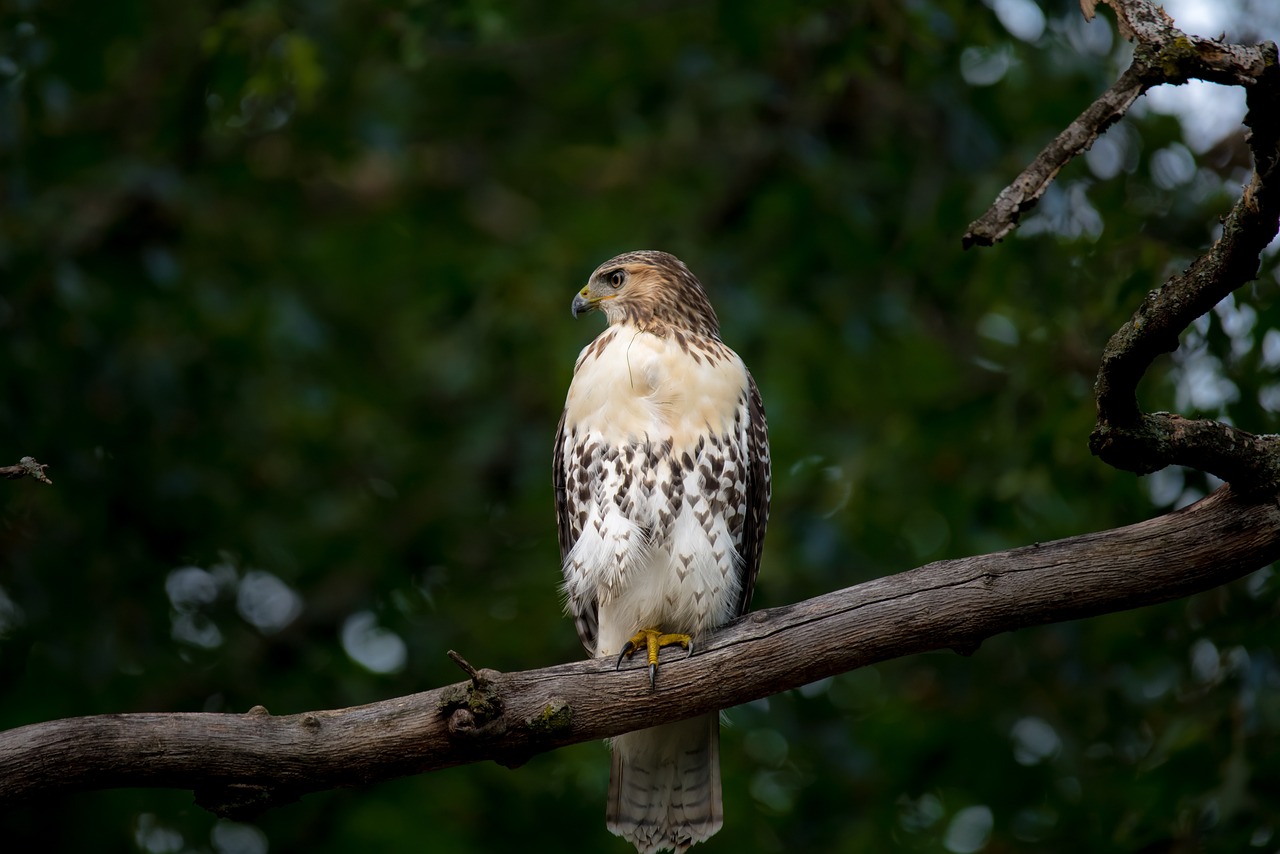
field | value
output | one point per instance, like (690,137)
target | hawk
(661,469)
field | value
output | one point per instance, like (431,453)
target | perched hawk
(662,495)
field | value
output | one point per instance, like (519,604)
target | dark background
(284,293)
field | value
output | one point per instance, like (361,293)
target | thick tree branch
(240,764)
(1164,54)
(26,467)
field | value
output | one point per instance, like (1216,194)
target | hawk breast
(654,447)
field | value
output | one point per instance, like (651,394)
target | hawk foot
(653,639)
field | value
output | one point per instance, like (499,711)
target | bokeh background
(284,293)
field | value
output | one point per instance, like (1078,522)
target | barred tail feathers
(664,790)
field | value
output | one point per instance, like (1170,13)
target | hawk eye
(616,278)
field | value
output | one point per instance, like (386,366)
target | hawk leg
(653,639)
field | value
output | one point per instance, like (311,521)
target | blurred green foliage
(284,297)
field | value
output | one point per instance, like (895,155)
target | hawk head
(651,290)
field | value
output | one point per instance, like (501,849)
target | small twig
(26,467)
(476,678)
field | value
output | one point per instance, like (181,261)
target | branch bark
(26,467)
(240,764)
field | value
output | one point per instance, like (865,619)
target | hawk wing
(568,529)
(759,488)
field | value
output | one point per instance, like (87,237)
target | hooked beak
(582,303)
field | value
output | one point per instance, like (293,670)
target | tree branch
(1027,189)
(26,467)
(1164,54)
(1127,438)
(1124,436)
(240,764)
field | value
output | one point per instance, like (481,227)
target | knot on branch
(476,715)
(474,711)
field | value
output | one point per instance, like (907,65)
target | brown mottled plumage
(661,468)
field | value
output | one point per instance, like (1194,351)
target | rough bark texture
(240,764)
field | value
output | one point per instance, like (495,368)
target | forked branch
(1124,436)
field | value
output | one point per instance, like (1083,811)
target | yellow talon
(653,639)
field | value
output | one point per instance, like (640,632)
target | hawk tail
(664,791)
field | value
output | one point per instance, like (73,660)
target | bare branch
(26,467)
(241,764)
(1161,439)
(1026,190)
(1164,54)
(1156,325)
(1125,437)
